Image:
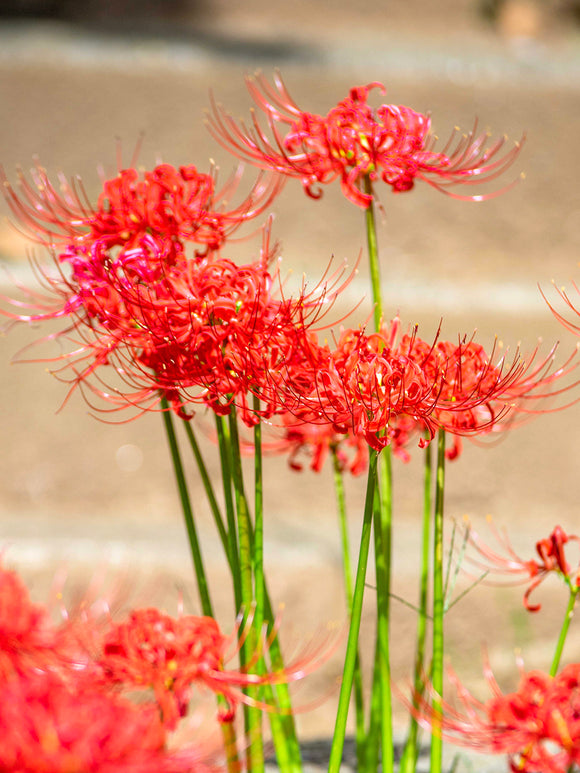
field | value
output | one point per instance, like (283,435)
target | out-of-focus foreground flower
(171,656)
(60,707)
(353,141)
(537,727)
(45,725)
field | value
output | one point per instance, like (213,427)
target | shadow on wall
(105,11)
(180,21)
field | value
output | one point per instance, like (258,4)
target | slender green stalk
(223,436)
(383,521)
(255,750)
(373,735)
(564,630)
(373,248)
(187,510)
(354,629)
(244,523)
(258,554)
(438,607)
(228,731)
(283,726)
(207,486)
(411,752)
(360,732)
(258,551)
(382,531)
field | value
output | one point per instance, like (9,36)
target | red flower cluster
(385,390)
(174,206)
(60,710)
(352,142)
(172,655)
(550,552)
(538,726)
(201,330)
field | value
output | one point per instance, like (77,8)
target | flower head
(386,388)
(171,655)
(205,331)
(353,141)
(551,559)
(174,206)
(537,726)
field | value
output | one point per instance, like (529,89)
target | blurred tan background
(75,83)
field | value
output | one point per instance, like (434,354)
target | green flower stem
(382,531)
(565,626)
(282,724)
(411,752)
(438,607)
(207,486)
(244,523)
(223,435)
(187,510)
(360,733)
(281,721)
(383,520)
(373,742)
(373,249)
(354,629)
(258,551)
(255,750)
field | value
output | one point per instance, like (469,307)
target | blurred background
(80,83)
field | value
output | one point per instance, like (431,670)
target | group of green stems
(378,513)
(242,540)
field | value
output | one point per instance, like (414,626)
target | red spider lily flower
(203,332)
(27,638)
(364,384)
(170,655)
(552,560)
(384,389)
(217,336)
(537,726)
(316,441)
(393,144)
(172,205)
(46,726)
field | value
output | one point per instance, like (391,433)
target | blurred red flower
(46,726)
(171,655)
(393,144)
(537,727)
